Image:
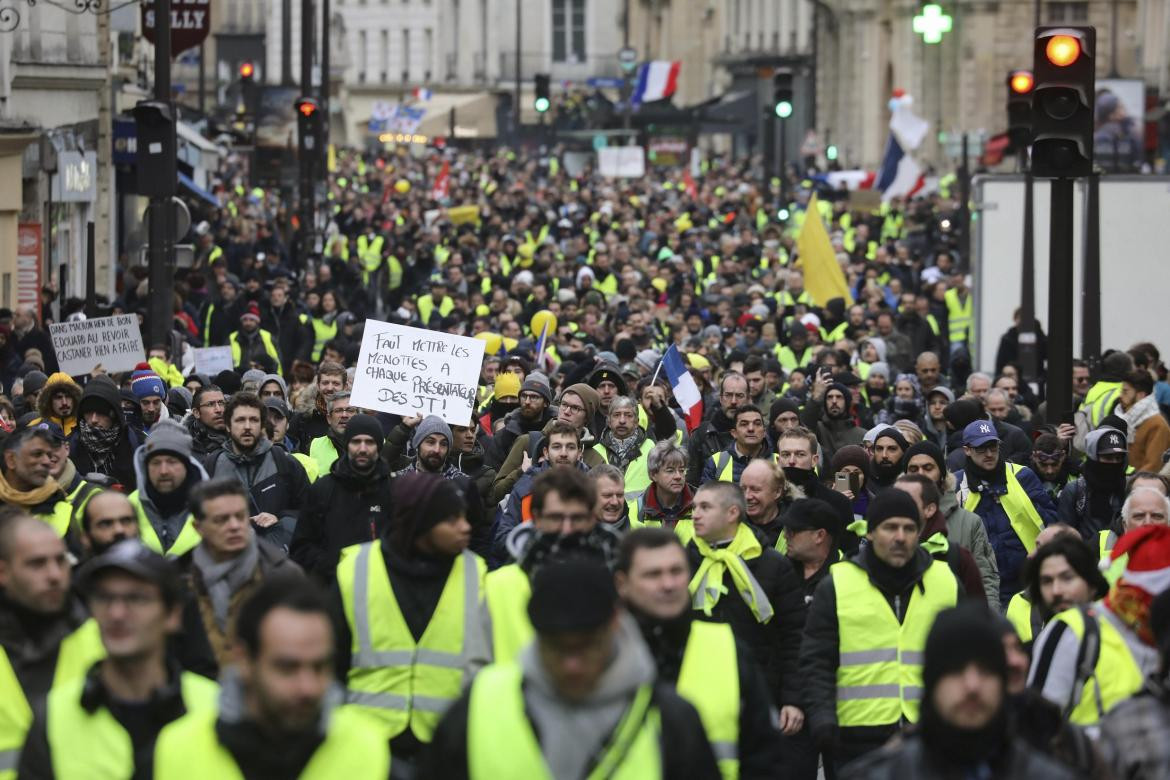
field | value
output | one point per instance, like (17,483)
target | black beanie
(782,405)
(422,501)
(960,414)
(890,432)
(891,503)
(960,636)
(573,595)
(364,425)
(228,382)
(926,448)
(845,391)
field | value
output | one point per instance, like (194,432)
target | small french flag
(657,80)
(682,384)
(422,94)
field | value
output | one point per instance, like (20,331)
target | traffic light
(1062,101)
(831,153)
(308,123)
(1019,108)
(782,94)
(247,72)
(157,147)
(542,102)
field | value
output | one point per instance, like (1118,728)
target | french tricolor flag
(657,80)
(682,384)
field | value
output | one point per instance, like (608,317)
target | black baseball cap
(137,560)
(811,514)
(573,595)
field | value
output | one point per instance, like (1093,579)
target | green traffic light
(782,214)
(541,105)
(784,109)
(831,153)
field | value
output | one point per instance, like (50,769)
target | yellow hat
(698,362)
(507,385)
(658,284)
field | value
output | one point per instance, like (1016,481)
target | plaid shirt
(1134,739)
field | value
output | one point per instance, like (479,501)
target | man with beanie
(1093,500)
(828,413)
(430,441)
(708,666)
(533,413)
(348,505)
(1008,498)
(888,448)
(58,401)
(505,398)
(866,630)
(714,434)
(933,536)
(105,444)
(582,699)
(167,472)
(811,528)
(783,415)
(151,393)
(412,613)
(32,386)
(276,482)
(964,729)
(1118,626)
(251,343)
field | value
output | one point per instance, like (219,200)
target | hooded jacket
(59,381)
(832,434)
(276,481)
(710,438)
(166,526)
(509,471)
(123,455)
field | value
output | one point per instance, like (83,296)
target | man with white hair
(1143,506)
(979,385)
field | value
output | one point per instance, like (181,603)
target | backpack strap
(1088,654)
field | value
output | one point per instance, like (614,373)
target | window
(568,30)
(385,64)
(1073,12)
(406,55)
(363,56)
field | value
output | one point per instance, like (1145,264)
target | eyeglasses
(220,404)
(572,408)
(987,448)
(531,397)
(104,599)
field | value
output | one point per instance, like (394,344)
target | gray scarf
(223,578)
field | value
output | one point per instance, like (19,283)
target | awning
(195,189)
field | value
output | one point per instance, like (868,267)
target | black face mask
(501,409)
(798,476)
(1105,476)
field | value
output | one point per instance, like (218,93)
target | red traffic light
(307,107)
(1021,82)
(1062,50)
(247,70)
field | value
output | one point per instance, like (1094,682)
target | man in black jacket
(105,443)
(207,425)
(534,412)
(714,435)
(652,576)
(275,481)
(281,318)
(797,451)
(349,505)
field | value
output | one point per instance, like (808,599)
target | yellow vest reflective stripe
(879,675)
(187,540)
(1116,676)
(321,450)
(501,743)
(323,332)
(709,680)
(1099,401)
(1021,512)
(78,651)
(507,591)
(60,518)
(960,316)
(1019,614)
(189,749)
(265,339)
(94,744)
(398,682)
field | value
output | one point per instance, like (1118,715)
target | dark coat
(123,459)
(908,759)
(276,483)
(710,438)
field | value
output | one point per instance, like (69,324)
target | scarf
(99,443)
(623,450)
(225,578)
(28,498)
(1138,413)
(208,439)
(707,585)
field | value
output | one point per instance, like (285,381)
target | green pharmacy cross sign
(932,23)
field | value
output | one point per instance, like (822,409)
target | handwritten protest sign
(114,342)
(212,360)
(411,371)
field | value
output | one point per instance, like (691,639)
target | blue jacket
(510,512)
(1009,549)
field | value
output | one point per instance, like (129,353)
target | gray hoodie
(167,437)
(572,733)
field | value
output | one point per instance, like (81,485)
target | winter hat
(146,384)
(537,382)
(278,379)
(850,455)
(589,398)
(507,385)
(909,430)
(647,359)
(228,382)
(251,312)
(960,414)
(810,514)
(879,344)
(421,501)
(780,406)
(1145,555)
(168,437)
(847,378)
(962,635)
(890,432)
(430,424)
(573,595)
(1108,421)
(365,425)
(871,435)
(35,381)
(845,391)
(179,400)
(891,503)
(881,368)
(252,375)
(942,390)
(926,448)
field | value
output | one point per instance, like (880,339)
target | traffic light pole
(1027,328)
(160,270)
(308,207)
(1091,283)
(1060,300)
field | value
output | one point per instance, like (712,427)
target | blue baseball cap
(978,433)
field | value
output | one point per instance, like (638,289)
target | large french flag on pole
(657,80)
(682,384)
(900,174)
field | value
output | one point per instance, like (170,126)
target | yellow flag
(823,278)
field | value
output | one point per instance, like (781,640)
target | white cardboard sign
(411,371)
(114,342)
(213,360)
(624,162)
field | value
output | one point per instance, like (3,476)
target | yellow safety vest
(321,450)
(709,680)
(426,305)
(1021,512)
(79,499)
(879,675)
(187,540)
(1019,614)
(60,518)
(78,651)
(788,359)
(725,467)
(94,744)
(265,339)
(394,275)
(637,476)
(397,682)
(501,743)
(309,465)
(371,254)
(354,749)
(1116,676)
(323,332)
(1100,400)
(960,317)
(507,591)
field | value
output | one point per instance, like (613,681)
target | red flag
(689,181)
(442,187)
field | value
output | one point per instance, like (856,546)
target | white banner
(213,360)
(114,343)
(411,371)
(628,162)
